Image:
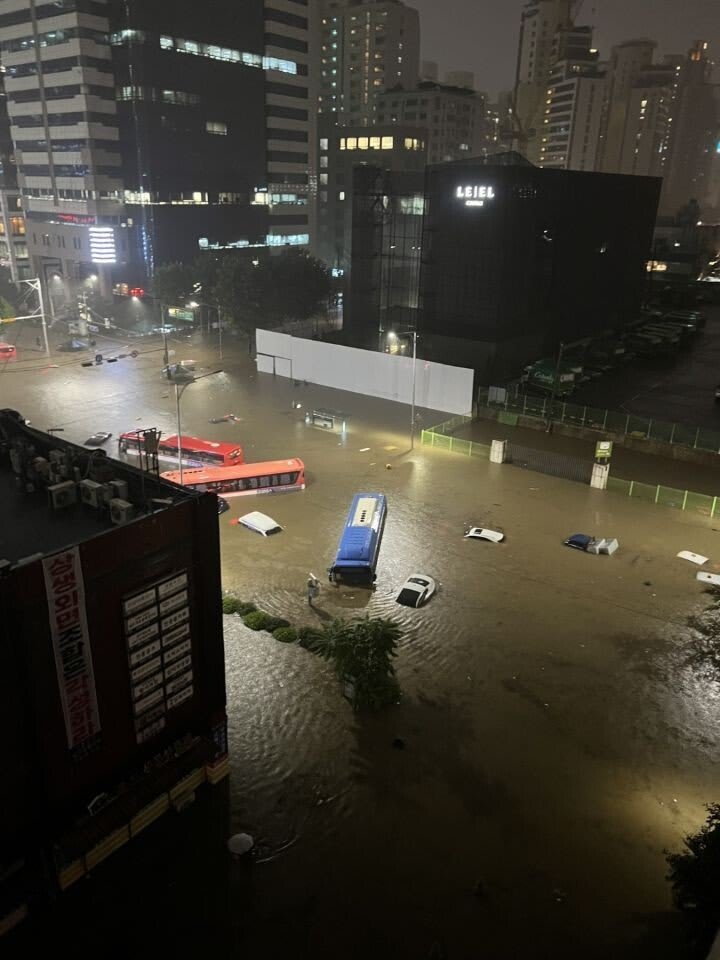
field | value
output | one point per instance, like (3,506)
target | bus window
(263,481)
(285,478)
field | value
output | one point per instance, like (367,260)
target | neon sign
(475,195)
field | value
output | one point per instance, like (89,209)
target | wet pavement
(557,739)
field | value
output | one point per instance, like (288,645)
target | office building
(112,679)
(13,246)
(515,258)
(342,149)
(452,116)
(141,141)
(366,47)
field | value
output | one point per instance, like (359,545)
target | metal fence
(700,503)
(441,438)
(550,462)
(594,418)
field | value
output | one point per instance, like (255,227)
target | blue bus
(359,546)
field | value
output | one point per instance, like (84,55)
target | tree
(237,291)
(293,286)
(362,653)
(173,283)
(695,878)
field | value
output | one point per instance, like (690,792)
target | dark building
(342,149)
(516,258)
(146,132)
(383,283)
(112,688)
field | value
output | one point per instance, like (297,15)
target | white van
(260,523)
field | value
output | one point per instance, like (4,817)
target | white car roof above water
(260,522)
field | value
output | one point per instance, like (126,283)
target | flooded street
(556,739)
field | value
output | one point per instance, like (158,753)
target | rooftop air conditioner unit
(119,489)
(62,494)
(121,511)
(91,493)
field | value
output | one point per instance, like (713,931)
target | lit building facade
(141,141)
(366,47)
(453,117)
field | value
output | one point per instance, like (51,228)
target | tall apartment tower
(627,62)
(537,53)
(142,138)
(695,133)
(367,47)
(648,122)
(573,104)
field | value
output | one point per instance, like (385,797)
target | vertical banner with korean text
(71,646)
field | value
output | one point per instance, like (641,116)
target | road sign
(603,449)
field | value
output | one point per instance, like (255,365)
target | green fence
(441,438)
(595,418)
(700,503)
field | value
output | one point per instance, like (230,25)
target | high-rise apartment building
(648,122)
(694,135)
(453,117)
(537,53)
(366,47)
(573,104)
(627,62)
(13,248)
(142,138)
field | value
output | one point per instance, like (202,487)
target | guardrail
(596,418)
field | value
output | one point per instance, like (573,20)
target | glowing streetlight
(393,338)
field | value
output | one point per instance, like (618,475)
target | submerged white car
(416,590)
(480,533)
(260,523)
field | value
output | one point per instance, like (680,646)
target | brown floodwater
(556,739)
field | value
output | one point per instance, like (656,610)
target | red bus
(272,476)
(193,450)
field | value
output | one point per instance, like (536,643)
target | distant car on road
(8,351)
(416,590)
(73,346)
(97,439)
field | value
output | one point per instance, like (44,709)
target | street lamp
(180,387)
(194,304)
(393,337)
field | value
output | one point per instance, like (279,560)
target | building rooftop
(56,494)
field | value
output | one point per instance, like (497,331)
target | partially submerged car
(73,346)
(260,523)
(416,590)
(595,545)
(97,439)
(482,533)
(578,541)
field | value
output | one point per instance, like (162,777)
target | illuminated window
(363,143)
(342,143)
(216,126)
(341,195)
(374,143)
(323,178)
(387,143)
(408,143)
(324,143)
(352,143)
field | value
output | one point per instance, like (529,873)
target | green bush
(244,608)
(285,634)
(257,620)
(275,623)
(230,605)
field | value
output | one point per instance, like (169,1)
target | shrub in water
(274,623)
(310,638)
(244,608)
(285,634)
(230,605)
(257,620)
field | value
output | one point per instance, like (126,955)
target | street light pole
(179,390)
(412,408)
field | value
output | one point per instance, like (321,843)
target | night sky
(482,35)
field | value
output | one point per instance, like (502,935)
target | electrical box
(62,494)
(121,511)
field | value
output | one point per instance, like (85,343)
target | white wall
(437,386)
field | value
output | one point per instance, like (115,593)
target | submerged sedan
(416,590)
